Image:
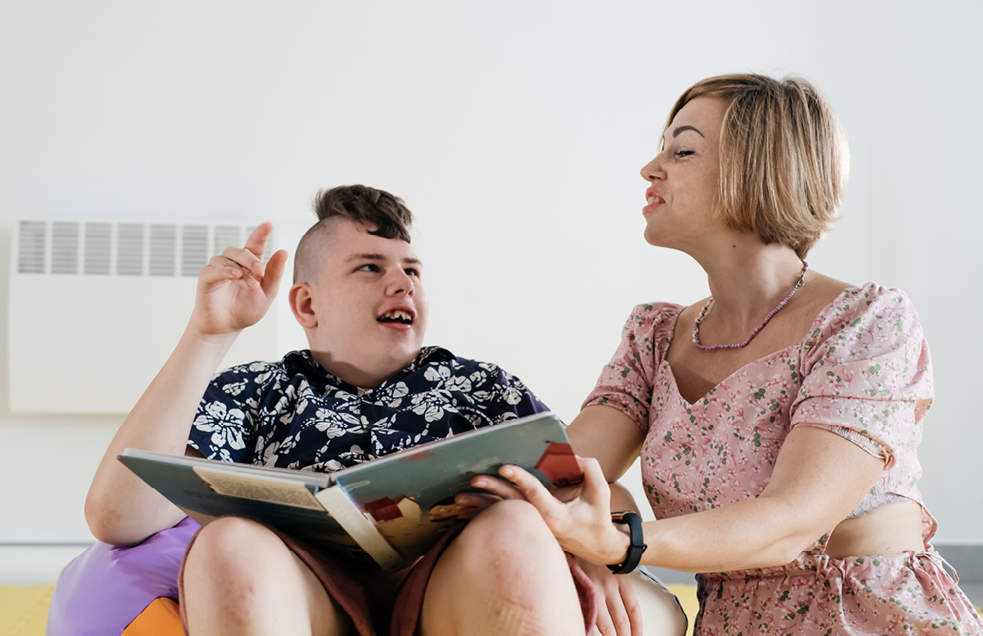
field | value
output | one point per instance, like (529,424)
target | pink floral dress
(863,373)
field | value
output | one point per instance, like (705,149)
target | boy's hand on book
(236,289)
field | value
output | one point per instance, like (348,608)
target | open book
(390,510)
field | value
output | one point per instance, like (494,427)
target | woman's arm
(607,435)
(819,478)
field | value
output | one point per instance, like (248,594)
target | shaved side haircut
(384,214)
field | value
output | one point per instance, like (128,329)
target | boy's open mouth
(397,315)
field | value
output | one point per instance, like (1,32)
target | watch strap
(636,536)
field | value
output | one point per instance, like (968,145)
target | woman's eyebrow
(676,132)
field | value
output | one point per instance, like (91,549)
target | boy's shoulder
(434,357)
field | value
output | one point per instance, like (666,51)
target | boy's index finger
(256,243)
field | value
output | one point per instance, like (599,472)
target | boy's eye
(369,267)
(412,271)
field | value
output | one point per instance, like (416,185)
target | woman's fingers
(532,490)
(500,488)
(595,485)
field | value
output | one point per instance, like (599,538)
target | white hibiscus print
(431,406)
(395,394)
(224,425)
(234,388)
(437,374)
(512,394)
(334,424)
(459,383)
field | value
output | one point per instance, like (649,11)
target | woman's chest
(721,448)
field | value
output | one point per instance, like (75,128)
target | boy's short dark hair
(359,204)
(366,206)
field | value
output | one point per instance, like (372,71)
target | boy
(365,388)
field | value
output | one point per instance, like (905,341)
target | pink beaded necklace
(771,314)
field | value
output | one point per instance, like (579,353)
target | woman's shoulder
(867,318)
(869,302)
(656,315)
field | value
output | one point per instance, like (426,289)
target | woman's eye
(683,153)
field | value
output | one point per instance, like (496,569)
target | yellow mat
(687,600)
(24,609)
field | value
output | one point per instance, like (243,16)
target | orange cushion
(160,618)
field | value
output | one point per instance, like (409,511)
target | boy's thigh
(238,566)
(504,558)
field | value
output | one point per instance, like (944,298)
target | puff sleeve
(626,381)
(868,375)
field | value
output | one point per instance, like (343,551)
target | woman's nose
(653,169)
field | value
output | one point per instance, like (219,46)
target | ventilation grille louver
(96,308)
(123,249)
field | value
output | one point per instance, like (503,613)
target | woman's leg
(505,575)
(240,578)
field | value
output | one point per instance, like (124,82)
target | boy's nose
(401,283)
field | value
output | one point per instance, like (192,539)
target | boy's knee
(229,542)
(509,529)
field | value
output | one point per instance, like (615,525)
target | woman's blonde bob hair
(783,157)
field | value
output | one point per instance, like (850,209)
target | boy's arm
(234,291)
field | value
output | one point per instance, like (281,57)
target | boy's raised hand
(236,289)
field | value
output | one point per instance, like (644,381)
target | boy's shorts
(388,604)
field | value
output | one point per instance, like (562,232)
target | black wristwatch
(637,538)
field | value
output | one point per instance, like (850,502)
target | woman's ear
(302,305)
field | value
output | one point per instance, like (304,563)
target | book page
(270,490)
(360,528)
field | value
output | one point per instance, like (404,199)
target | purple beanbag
(103,589)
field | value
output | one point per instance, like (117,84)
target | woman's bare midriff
(888,529)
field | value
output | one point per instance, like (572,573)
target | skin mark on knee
(513,619)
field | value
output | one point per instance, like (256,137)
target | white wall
(515,131)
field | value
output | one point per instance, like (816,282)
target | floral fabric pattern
(294,414)
(864,373)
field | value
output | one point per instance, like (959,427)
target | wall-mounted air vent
(97,306)
(123,249)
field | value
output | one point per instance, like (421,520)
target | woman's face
(684,177)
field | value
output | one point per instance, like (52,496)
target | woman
(777,420)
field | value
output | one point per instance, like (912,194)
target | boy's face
(367,307)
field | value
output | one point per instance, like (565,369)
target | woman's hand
(618,612)
(582,523)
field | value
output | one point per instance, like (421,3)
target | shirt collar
(302,362)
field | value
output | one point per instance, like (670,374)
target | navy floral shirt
(294,414)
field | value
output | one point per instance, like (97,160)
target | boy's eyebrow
(380,257)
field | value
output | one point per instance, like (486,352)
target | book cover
(389,510)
